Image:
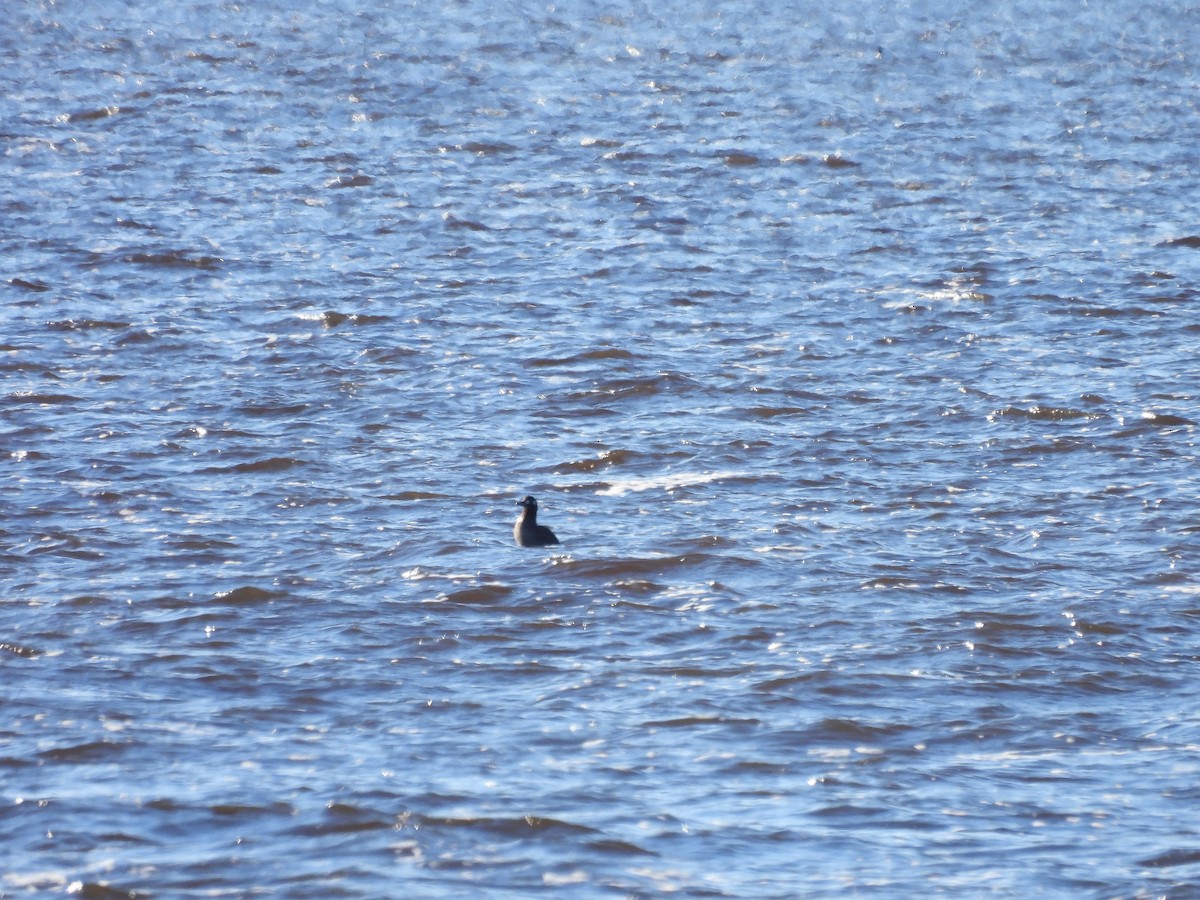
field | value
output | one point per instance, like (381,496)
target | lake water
(851,353)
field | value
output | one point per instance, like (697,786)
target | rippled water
(851,354)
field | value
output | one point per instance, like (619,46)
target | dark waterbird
(527,531)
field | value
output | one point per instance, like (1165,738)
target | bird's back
(531,534)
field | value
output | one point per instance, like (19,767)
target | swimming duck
(527,531)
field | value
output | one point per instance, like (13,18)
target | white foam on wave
(665,482)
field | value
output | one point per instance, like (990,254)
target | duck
(527,531)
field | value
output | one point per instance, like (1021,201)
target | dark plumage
(527,531)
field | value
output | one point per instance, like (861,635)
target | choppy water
(851,353)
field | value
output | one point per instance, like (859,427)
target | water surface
(850,352)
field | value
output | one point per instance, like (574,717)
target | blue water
(849,352)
